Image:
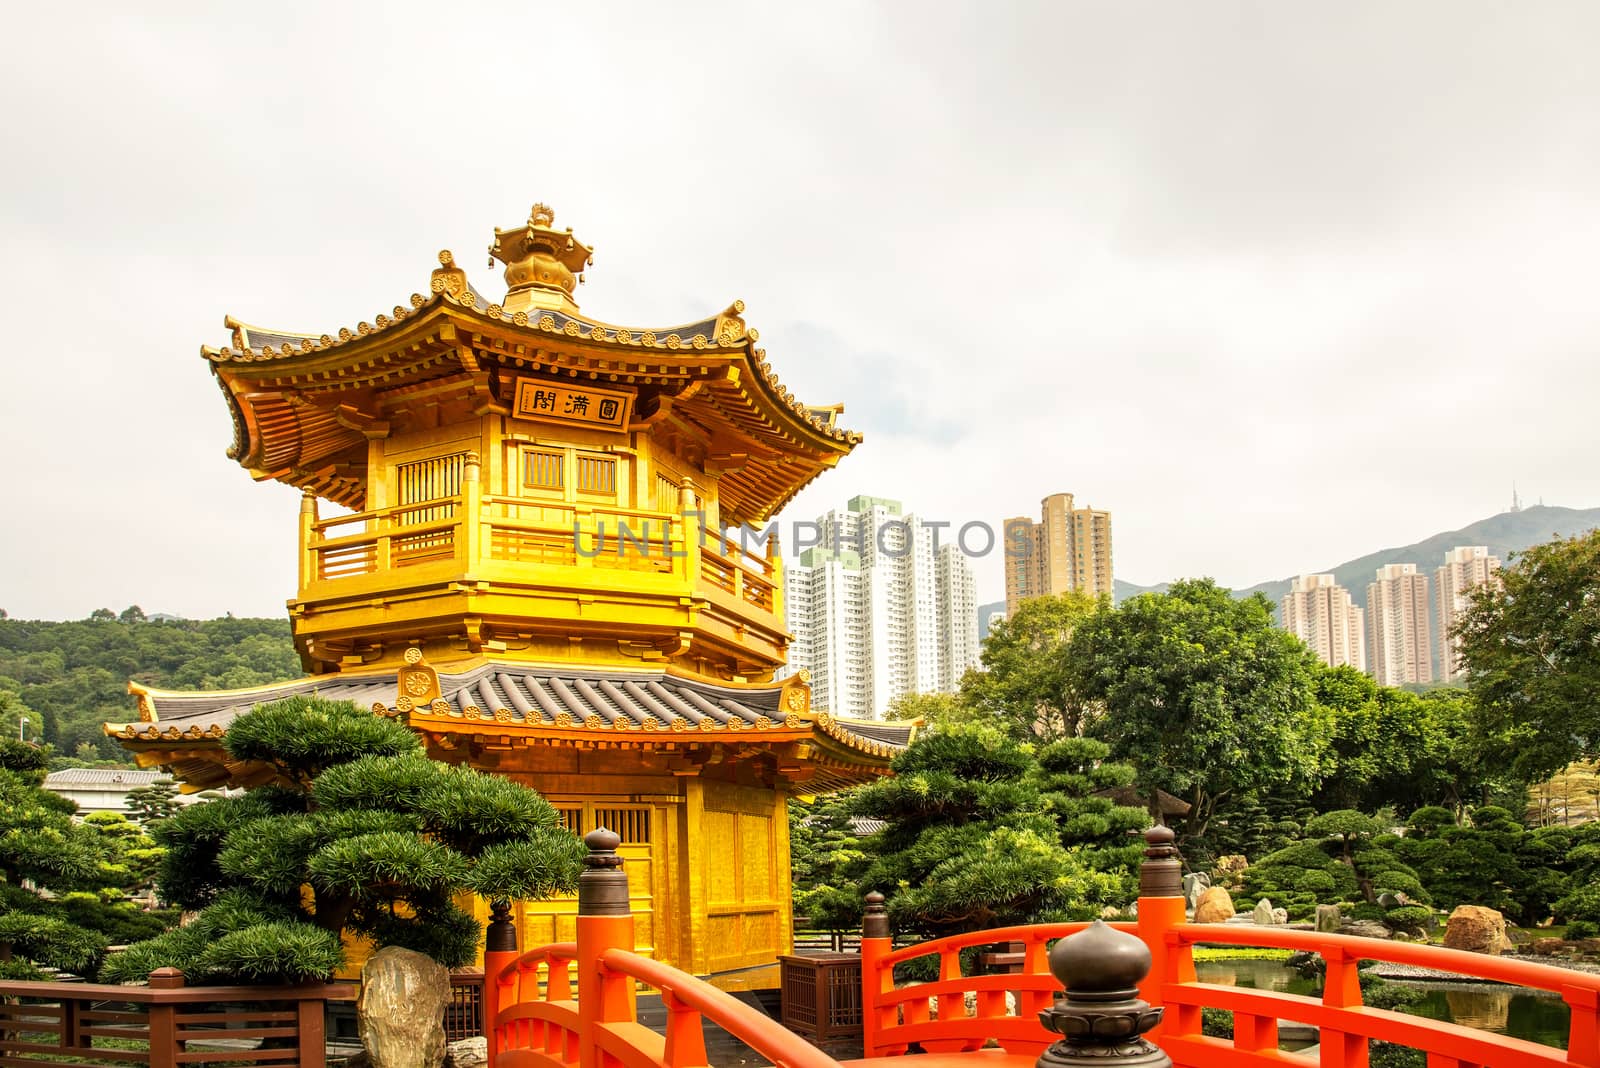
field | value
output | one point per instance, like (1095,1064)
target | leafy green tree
(934,709)
(1532,654)
(58,878)
(360,833)
(978,835)
(132,614)
(1026,685)
(1391,747)
(1202,694)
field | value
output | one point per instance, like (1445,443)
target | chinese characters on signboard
(578,405)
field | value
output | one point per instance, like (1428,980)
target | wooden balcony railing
(473,530)
(164,1025)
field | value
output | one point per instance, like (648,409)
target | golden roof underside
(304,405)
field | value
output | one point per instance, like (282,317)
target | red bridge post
(1161,908)
(604,922)
(877,942)
(499,954)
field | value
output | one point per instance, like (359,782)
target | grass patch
(1239,953)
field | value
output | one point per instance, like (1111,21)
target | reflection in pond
(1528,1014)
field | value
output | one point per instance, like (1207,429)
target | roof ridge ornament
(448,278)
(543,265)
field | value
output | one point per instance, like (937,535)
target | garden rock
(1261,915)
(1549,947)
(401,1009)
(1280,916)
(1476,929)
(1214,906)
(1195,884)
(1329,919)
(467,1053)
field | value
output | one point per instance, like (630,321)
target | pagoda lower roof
(499,697)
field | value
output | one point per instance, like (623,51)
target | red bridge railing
(535,1018)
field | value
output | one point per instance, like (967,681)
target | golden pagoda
(540,558)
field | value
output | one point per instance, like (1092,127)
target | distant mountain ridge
(1504,534)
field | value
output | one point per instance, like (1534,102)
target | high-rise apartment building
(1465,568)
(878,609)
(1068,549)
(1398,646)
(1320,613)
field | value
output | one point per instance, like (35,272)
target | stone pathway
(1406,971)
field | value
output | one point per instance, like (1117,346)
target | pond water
(1521,1013)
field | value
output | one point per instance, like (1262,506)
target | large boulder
(401,1009)
(1195,883)
(1261,915)
(1328,918)
(1215,906)
(1476,929)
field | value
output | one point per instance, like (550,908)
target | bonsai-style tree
(978,833)
(359,833)
(59,880)
(155,801)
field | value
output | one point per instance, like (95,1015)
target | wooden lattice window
(632,825)
(668,494)
(571,818)
(597,474)
(435,482)
(543,470)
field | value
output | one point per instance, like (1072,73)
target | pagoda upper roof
(560,705)
(303,404)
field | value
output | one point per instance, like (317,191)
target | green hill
(1504,534)
(68,678)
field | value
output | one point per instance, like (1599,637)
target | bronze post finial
(603,886)
(1161,874)
(501,937)
(875,921)
(1101,1018)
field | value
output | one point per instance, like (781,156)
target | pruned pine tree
(360,833)
(48,864)
(982,834)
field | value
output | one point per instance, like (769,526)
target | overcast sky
(1277,284)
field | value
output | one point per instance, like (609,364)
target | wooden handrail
(182,995)
(1415,954)
(761,1033)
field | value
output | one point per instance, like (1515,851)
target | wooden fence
(164,1025)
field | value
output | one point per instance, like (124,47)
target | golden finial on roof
(543,265)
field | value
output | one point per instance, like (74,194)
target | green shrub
(1581,904)
(1315,881)
(1408,917)
(1216,1023)
(1578,930)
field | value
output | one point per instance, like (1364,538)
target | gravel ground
(1406,971)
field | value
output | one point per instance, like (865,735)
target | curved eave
(275,437)
(723,335)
